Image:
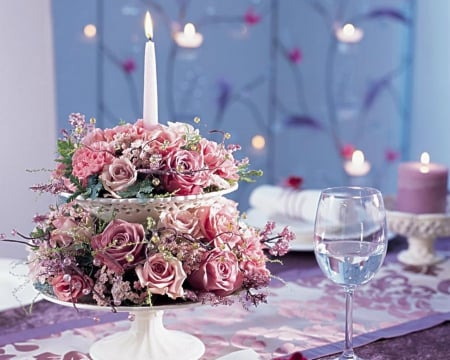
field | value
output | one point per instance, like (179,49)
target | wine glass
(350,243)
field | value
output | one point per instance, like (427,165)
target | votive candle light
(422,187)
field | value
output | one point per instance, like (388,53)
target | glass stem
(348,346)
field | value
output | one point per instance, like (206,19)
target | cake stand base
(420,252)
(421,231)
(148,339)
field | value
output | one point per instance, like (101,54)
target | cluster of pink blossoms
(131,161)
(201,253)
(198,251)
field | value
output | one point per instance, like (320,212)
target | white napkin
(303,230)
(247,354)
(297,204)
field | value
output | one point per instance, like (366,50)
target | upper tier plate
(137,210)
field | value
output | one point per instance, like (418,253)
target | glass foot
(348,357)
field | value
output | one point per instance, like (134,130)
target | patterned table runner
(306,314)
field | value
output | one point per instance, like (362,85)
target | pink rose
(64,233)
(181,128)
(117,176)
(120,245)
(219,222)
(67,231)
(186,173)
(87,161)
(161,276)
(219,160)
(71,289)
(183,221)
(253,261)
(125,133)
(95,136)
(64,223)
(165,140)
(218,273)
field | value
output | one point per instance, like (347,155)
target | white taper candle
(150,111)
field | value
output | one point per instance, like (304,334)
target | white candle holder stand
(146,339)
(421,231)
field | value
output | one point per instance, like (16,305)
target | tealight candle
(349,33)
(189,37)
(150,111)
(422,187)
(358,166)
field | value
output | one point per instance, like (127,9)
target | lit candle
(424,163)
(188,38)
(422,187)
(349,33)
(150,85)
(358,166)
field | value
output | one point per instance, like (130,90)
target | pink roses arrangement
(130,161)
(194,253)
(180,250)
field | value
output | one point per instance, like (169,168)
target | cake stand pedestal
(147,338)
(421,231)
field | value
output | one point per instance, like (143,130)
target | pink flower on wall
(251,17)
(293,182)
(391,155)
(295,55)
(347,151)
(129,65)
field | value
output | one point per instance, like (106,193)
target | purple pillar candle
(422,187)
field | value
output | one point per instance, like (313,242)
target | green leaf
(65,148)
(146,187)
(38,233)
(248,175)
(94,186)
(140,190)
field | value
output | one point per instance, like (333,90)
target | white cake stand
(421,231)
(138,210)
(147,338)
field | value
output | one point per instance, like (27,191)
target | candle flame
(348,29)
(358,157)
(358,166)
(148,26)
(349,33)
(425,158)
(90,30)
(189,29)
(424,162)
(258,142)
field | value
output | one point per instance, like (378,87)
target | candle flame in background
(258,142)
(148,26)
(349,33)
(90,31)
(348,29)
(425,158)
(424,162)
(358,157)
(189,29)
(358,166)
(189,37)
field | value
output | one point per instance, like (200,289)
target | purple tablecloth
(304,315)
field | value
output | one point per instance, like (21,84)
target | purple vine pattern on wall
(272,114)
